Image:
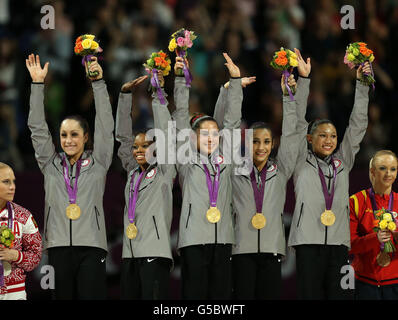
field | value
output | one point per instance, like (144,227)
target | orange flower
(162,55)
(363,50)
(283,61)
(281,54)
(158,61)
(375,223)
(78,47)
(362,44)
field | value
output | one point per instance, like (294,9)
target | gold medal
(328,218)
(213,215)
(131,231)
(383,259)
(73,211)
(259,221)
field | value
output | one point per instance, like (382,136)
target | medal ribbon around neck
(134,198)
(259,193)
(328,196)
(212,186)
(72,193)
(9,225)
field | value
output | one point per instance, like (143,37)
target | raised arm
(40,134)
(288,148)
(124,124)
(301,97)
(104,122)
(219,109)
(358,122)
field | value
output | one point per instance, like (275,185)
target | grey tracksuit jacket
(270,239)
(194,229)
(306,227)
(89,229)
(154,210)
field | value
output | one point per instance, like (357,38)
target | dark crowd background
(250,31)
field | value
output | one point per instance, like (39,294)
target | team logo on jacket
(85,162)
(219,160)
(151,174)
(394,214)
(271,168)
(337,163)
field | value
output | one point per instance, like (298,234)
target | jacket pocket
(96,216)
(301,213)
(156,227)
(48,215)
(189,214)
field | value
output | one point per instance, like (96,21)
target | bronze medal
(259,221)
(383,259)
(328,218)
(213,215)
(73,211)
(131,231)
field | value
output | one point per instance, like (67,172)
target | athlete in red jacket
(374,281)
(25,253)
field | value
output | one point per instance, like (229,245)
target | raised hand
(233,69)
(364,70)
(303,68)
(93,66)
(129,86)
(245,82)
(291,82)
(37,73)
(179,65)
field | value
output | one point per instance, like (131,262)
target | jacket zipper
(96,216)
(48,215)
(189,214)
(156,227)
(301,212)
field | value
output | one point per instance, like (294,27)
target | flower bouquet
(384,219)
(180,41)
(6,241)
(158,62)
(86,47)
(285,60)
(357,54)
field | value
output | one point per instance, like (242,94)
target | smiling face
(7,185)
(72,138)
(140,148)
(323,140)
(383,172)
(208,137)
(262,146)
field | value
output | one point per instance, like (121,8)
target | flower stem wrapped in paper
(285,60)
(356,55)
(87,47)
(158,63)
(180,41)
(6,241)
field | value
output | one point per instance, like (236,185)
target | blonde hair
(4,165)
(382,153)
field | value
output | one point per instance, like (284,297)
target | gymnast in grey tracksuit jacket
(205,247)
(322,250)
(256,253)
(65,238)
(147,259)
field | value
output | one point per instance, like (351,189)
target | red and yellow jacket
(364,243)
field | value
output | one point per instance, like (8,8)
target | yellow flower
(371,58)
(383,224)
(86,44)
(94,45)
(391,226)
(387,217)
(293,62)
(355,51)
(350,57)
(172,45)
(89,36)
